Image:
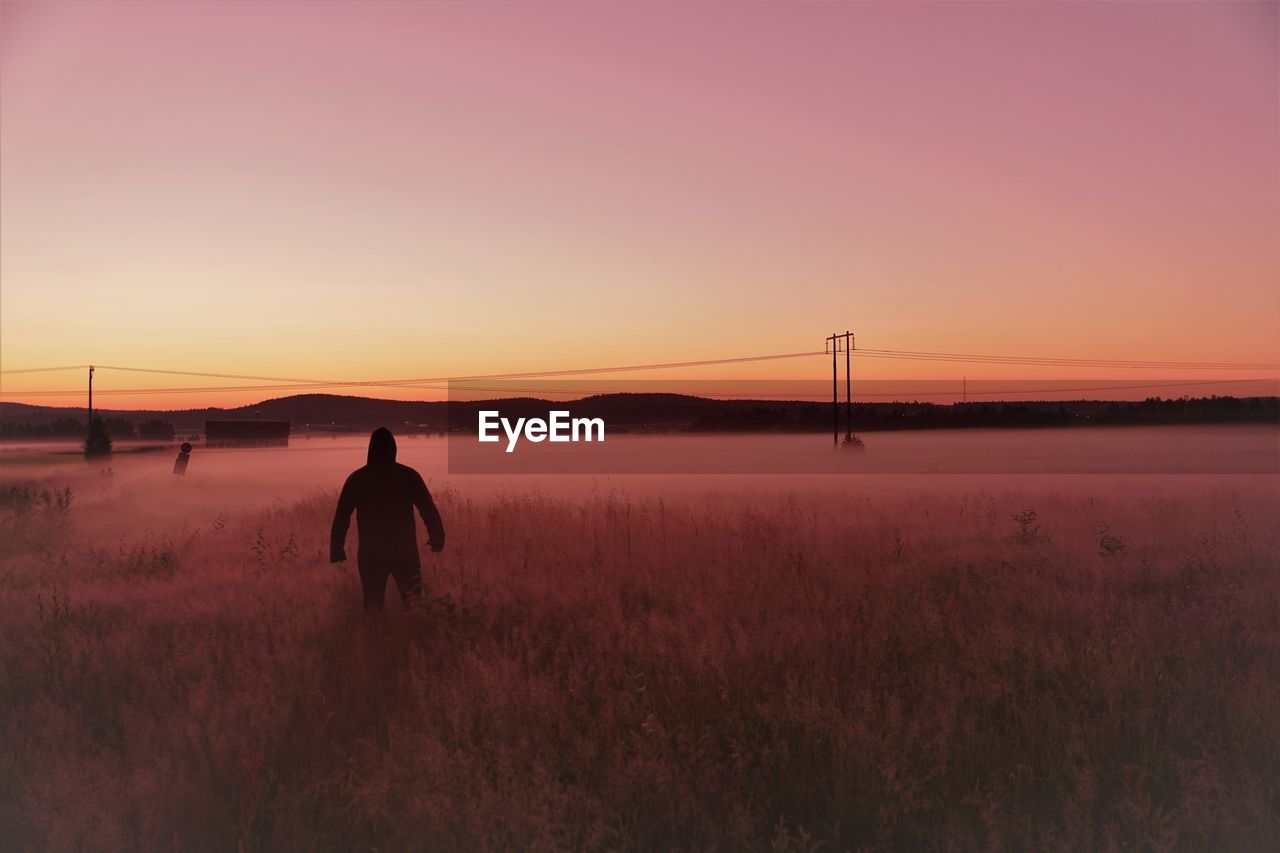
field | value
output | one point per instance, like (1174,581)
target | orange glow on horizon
(385,190)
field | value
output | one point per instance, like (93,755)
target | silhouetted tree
(156,428)
(98,441)
(119,427)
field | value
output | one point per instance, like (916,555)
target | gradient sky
(360,190)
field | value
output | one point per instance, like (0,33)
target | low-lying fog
(1140,460)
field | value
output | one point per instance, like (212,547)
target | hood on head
(382,447)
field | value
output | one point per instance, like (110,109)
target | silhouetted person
(383,495)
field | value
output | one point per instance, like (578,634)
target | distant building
(246,433)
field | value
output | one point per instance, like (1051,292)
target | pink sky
(361,190)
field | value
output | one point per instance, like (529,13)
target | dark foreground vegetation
(935,670)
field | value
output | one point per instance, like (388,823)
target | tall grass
(934,671)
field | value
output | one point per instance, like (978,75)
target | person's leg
(409,582)
(373,580)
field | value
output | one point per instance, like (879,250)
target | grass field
(933,667)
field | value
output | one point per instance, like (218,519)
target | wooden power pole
(834,343)
(835,406)
(848,386)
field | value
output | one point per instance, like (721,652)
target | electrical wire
(755,395)
(432,383)
(1060,362)
(47,369)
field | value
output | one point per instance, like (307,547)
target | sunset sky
(365,190)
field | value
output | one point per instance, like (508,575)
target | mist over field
(935,498)
(867,661)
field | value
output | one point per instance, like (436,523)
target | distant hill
(653,412)
(320,411)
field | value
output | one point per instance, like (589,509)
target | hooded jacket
(383,495)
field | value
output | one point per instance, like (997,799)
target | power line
(430,383)
(1073,360)
(225,375)
(709,362)
(47,369)
(858,353)
(765,396)
(1060,362)
(970,392)
(294,384)
(754,395)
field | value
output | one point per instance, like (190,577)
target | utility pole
(91,400)
(848,386)
(835,406)
(834,343)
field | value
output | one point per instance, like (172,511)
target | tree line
(115,428)
(813,417)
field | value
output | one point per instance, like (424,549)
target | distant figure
(383,495)
(184,456)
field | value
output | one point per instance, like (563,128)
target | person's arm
(430,515)
(341,521)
